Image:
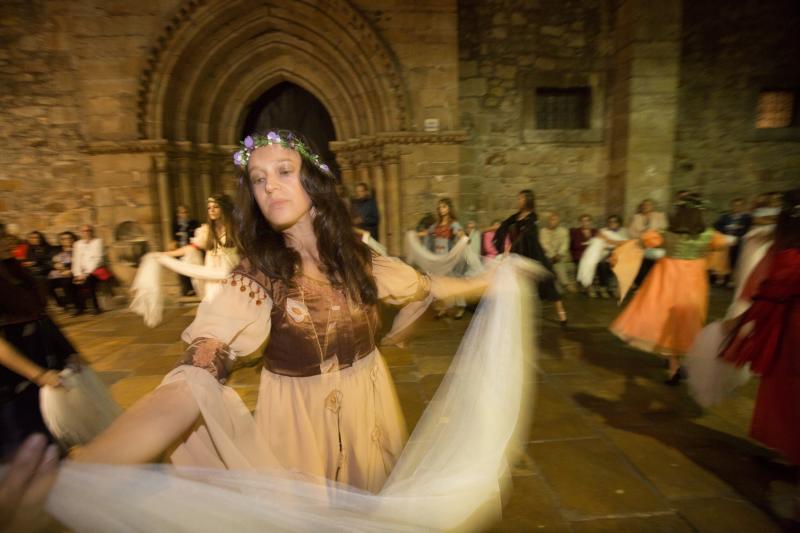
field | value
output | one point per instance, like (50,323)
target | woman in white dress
(215,238)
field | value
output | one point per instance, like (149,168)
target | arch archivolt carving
(210,45)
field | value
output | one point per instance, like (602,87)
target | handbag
(102,273)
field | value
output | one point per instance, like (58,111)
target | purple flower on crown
(273,137)
(325,168)
(237,159)
(248,142)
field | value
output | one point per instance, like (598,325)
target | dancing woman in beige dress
(308,288)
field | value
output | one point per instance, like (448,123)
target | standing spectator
(555,243)
(578,241)
(87,258)
(183,229)
(487,237)
(736,223)
(440,238)
(59,279)
(522,231)
(365,210)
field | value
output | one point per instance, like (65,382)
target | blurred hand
(50,378)
(25,485)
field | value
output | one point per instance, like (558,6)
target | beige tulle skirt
(343,426)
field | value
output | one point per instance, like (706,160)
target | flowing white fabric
(449,476)
(436,264)
(596,250)
(374,245)
(712,380)
(148,296)
(79,410)
(754,246)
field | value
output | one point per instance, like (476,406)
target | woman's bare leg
(143,432)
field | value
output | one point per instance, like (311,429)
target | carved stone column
(183,150)
(379,193)
(393,213)
(205,160)
(345,161)
(165,208)
(362,163)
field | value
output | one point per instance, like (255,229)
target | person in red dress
(767,336)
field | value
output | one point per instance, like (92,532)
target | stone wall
(506,49)
(728,55)
(44,176)
(72,70)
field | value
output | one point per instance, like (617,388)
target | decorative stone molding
(376,143)
(126,147)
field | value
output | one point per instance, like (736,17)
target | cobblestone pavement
(611,448)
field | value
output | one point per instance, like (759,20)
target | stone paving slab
(610,448)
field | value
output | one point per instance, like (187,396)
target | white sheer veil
(449,476)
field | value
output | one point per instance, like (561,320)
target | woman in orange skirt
(668,311)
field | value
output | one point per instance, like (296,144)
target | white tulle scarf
(448,477)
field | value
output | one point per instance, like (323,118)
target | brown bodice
(315,328)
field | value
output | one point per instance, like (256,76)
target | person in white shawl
(593,262)
(215,238)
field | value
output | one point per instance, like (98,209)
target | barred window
(562,108)
(777,108)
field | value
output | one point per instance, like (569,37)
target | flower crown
(286,140)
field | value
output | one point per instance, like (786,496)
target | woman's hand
(26,484)
(50,378)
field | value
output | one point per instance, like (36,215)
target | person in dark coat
(365,210)
(522,230)
(736,223)
(183,229)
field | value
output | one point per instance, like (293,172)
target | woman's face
(33,239)
(275,181)
(443,209)
(647,207)
(521,202)
(613,224)
(214,211)
(586,222)
(65,241)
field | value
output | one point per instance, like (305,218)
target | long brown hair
(530,199)
(688,216)
(450,211)
(345,260)
(226,219)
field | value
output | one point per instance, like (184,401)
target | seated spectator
(59,279)
(37,255)
(645,219)
(614,235)
(578,241)
(87,269)
(555,243)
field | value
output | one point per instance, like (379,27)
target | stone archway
(216,57)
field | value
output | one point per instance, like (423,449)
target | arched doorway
(289,106)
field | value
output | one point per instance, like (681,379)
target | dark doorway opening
(289,106)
